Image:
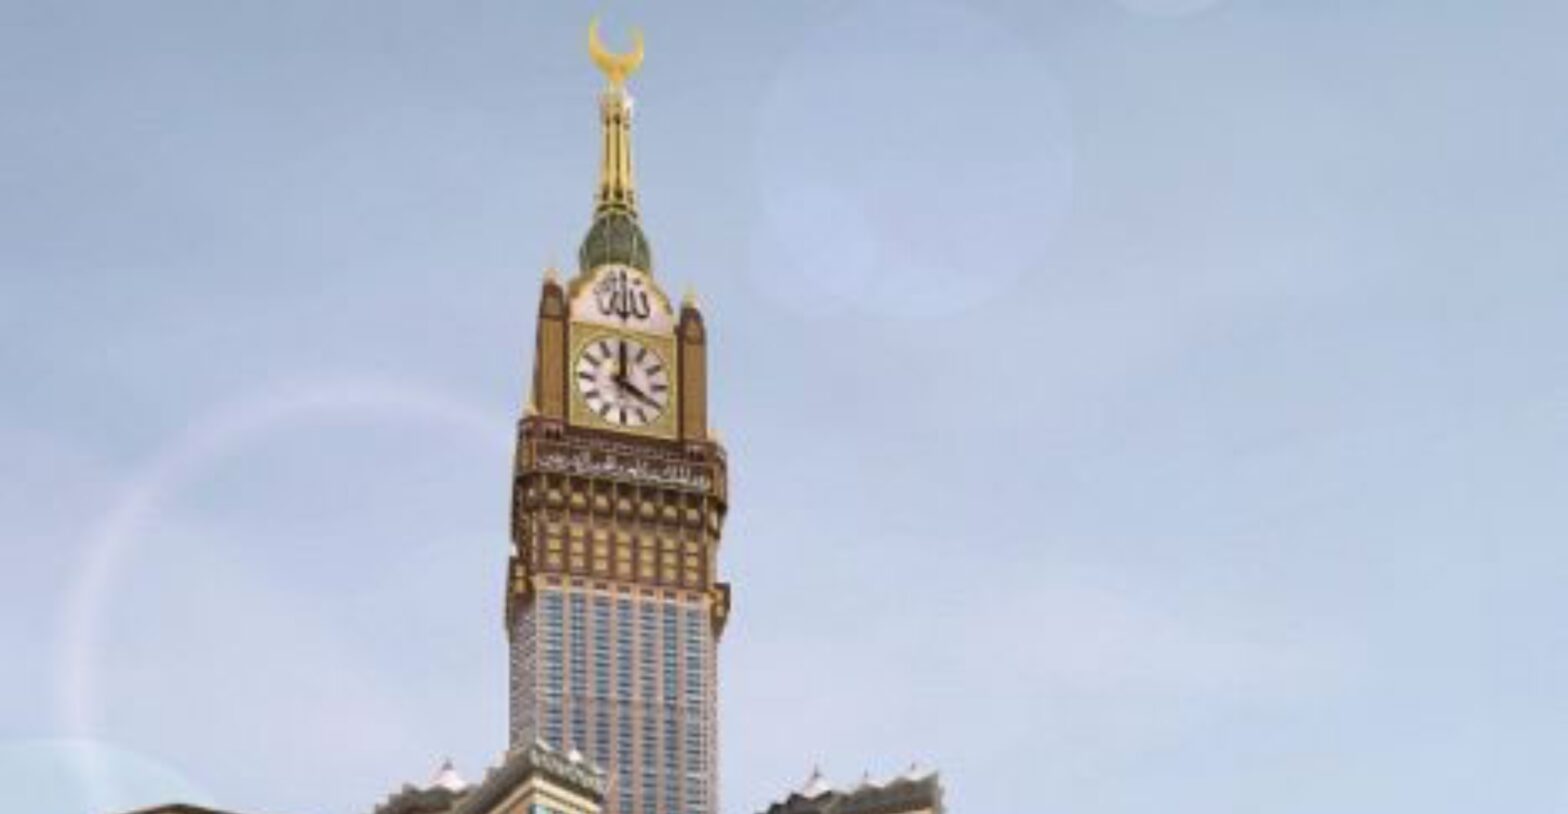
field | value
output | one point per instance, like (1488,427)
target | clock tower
(613,605)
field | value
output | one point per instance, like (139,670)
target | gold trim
(616,67)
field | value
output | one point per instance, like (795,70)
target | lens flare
(69,776)
(206,444)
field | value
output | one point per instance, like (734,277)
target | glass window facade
(628,681)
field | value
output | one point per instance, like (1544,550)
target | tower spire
(615,236)
(617,187)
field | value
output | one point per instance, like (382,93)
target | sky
(1133,405)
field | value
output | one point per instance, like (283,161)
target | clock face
(624,381)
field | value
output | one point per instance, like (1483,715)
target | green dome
(615,237)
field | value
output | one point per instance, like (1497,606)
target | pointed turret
(448,778)
(816,785)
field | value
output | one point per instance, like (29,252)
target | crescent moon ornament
(615,66)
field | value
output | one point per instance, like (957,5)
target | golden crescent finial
(615,66)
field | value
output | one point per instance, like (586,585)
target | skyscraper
(614,610)
(613,605)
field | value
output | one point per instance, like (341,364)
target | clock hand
(618,373)
(641,396)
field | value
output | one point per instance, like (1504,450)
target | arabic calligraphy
(584,463)
(622,295)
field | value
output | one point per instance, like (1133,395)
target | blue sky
(1134,405)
